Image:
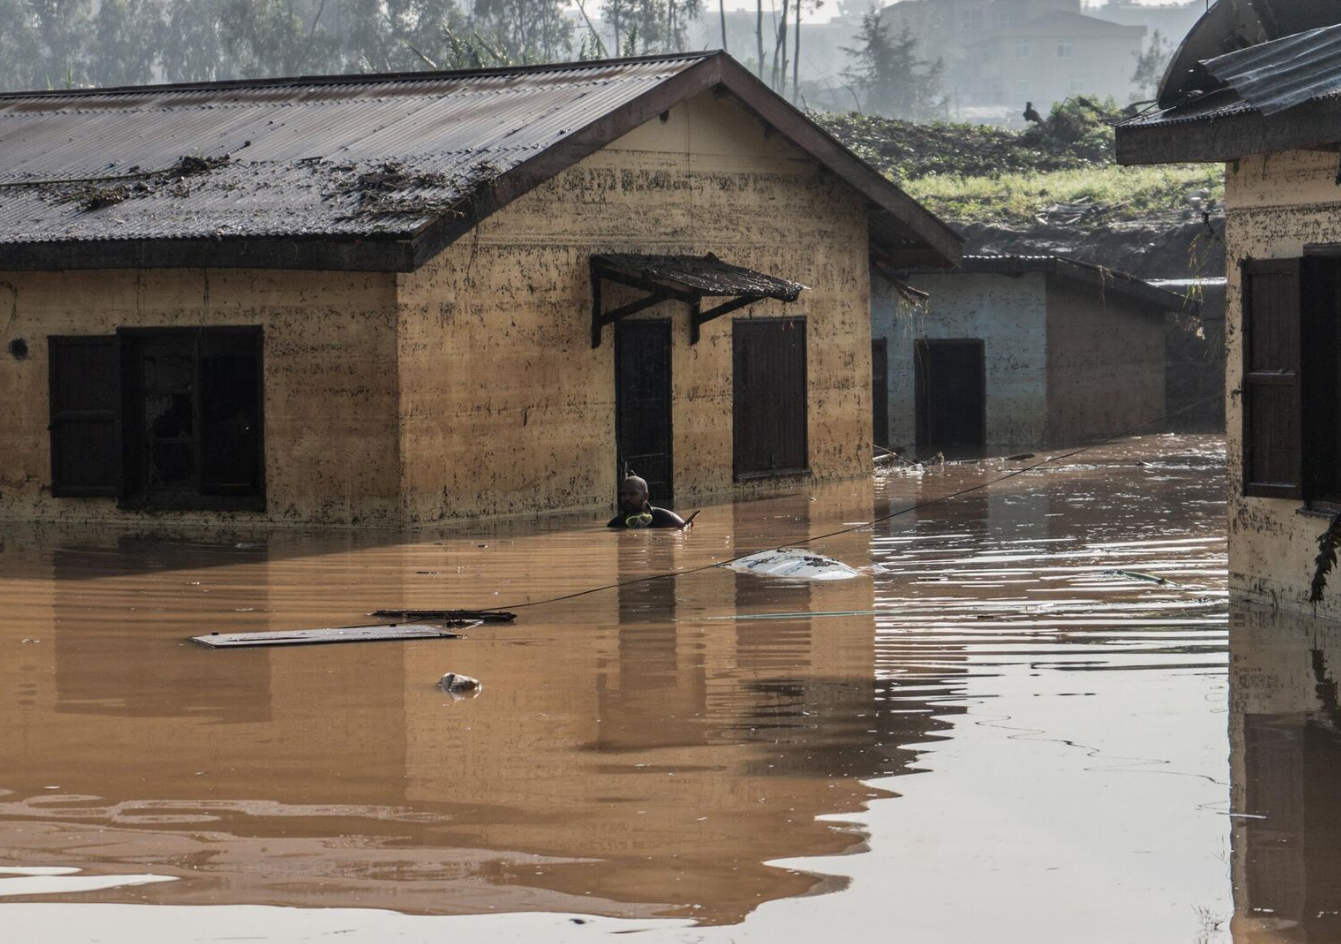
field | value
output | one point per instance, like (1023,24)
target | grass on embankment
(1127,192)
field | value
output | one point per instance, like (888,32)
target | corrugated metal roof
(378,156)
(705,275)
(1098,277)
(1280,74)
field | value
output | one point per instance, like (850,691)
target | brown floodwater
(1004,728)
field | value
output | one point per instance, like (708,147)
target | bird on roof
(1030,114)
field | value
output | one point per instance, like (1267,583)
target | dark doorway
(769,419)
(880,391)
(643,404)
(951,382)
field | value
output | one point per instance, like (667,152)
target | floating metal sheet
(297,148)
(312,637)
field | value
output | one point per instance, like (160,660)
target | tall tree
(890,78)
(125,34)
(1151,64)
(20,46)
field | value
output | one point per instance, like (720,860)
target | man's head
(632,495)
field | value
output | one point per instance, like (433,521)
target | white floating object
(302,637)
(459,686)
(793,563)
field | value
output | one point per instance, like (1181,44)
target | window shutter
(1272,466)
(85,416)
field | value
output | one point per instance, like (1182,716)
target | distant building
(397,300)
(1052,58)
(1269,109)
(1009,52)
(1172,20)
(1017,351)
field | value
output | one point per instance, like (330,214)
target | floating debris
(459,686)
(448,616)
(795,563)
(1138,575)
(301,637)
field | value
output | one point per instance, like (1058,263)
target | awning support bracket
(657,292)
(700,318)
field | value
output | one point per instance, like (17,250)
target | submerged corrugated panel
(1283,73)
(379,156)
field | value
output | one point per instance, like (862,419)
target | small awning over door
(688,279)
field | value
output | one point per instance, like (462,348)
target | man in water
(635,511)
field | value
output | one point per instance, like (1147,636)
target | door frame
(921,348)
(880,401)
(667,325)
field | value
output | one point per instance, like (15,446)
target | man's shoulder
(665,518)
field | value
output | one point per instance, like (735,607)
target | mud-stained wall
(1007,314)
(1105,364)
(331,450)
(505,407)
(1275,205)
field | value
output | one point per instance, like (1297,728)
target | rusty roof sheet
(703,275)
(347,156)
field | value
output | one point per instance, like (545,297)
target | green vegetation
(976,173)
(1113,193)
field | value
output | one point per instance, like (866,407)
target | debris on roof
(374,172)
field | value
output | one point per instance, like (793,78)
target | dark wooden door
(643,404)
(769,396)
(951,394)
(880,391)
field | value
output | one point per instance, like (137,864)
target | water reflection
(1285,732)
(658,749)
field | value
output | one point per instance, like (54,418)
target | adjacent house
(1255,86)
(404,299)
(1016,351)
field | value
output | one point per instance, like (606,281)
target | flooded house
(1254,86)
(1015,351)
(403,299)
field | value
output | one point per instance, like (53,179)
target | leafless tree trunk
(796,58)
(759,36)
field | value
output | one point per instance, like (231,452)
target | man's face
(631,501)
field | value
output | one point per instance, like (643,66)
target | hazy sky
(830,7)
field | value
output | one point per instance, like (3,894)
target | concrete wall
(1275,205)
(1105,362)
(1008,314)
(505,407)
(331,451)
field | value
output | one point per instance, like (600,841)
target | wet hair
(634,484)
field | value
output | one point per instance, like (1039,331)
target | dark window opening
(160,418)
(769,404)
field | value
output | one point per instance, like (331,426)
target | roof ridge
(356,78)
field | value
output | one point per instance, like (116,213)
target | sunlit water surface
(1005,729)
